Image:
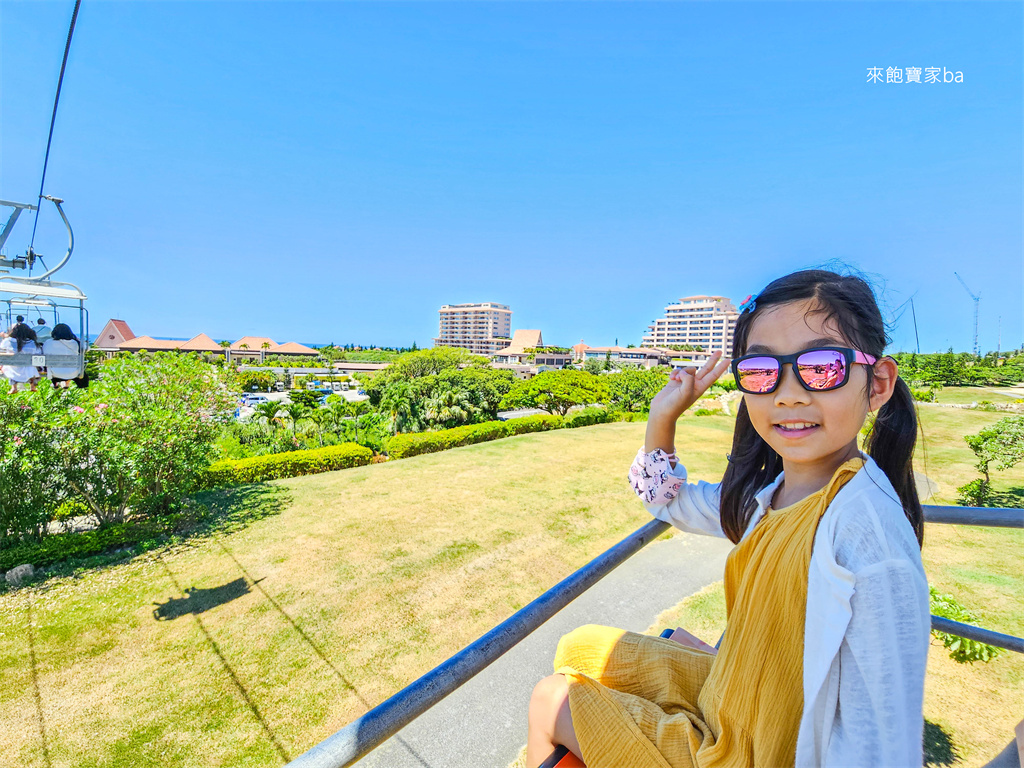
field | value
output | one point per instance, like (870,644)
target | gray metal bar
(55,361)
(998,639)
(367,732)
(992,517)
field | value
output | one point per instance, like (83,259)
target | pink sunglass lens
(822,368)
(757,374)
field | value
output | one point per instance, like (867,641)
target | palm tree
(357,408)
(321,417)
(267,411)
(294,412)
(401,409)
(449,408)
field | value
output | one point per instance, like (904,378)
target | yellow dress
(645,702)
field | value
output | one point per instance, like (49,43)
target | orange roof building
(113,335)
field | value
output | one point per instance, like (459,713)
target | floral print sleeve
(653,478)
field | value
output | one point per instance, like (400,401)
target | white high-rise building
(483,328)
(704,321)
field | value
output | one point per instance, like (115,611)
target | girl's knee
(584,645)
(548,698)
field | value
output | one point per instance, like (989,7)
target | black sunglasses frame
(848,354)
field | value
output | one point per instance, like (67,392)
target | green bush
(406,444)
(923,395)
(961,649)
(628,416)
(706,412)
(537,423)
(61,546)
(291,464)
(587,417)
(975,493)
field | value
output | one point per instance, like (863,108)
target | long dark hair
(63,332)
(848,302)
(22,333)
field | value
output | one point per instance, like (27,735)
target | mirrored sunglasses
(818,370)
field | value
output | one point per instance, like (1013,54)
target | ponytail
(891,444)
(753,464)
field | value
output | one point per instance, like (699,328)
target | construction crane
(977,301)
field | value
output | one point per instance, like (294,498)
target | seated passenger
(22,339)
(63,341)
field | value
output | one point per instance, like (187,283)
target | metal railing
(362,735)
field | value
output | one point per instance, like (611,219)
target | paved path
(483,723)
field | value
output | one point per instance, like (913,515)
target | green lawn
(968,395)
(367,578)
(341,588)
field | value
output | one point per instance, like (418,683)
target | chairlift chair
(25,296)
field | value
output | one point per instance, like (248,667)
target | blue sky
(337,171)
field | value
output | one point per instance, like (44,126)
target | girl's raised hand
(685,386)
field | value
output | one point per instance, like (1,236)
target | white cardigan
(867,628)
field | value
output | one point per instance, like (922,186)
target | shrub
(291,464)
(536,423)
(628,416)
(587,417)
(923,395)
(975,493)
(61,546)
(961,649)
(406,444)
(30,484)
(706,412)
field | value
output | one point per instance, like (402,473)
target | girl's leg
(550,721)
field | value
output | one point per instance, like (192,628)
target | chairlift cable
(53,119)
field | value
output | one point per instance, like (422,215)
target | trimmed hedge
(408,444)
(61,546)
(291,464)
(588,417)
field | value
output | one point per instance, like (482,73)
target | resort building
(707,322)
(642,357)
(483,328)
(116,337)
(114,334)
(515,350)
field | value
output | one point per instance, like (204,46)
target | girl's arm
(655,475)
(880,690)
(683,389)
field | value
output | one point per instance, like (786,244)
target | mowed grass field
(246,648)
(365,579)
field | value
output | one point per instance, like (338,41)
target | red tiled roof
(123,329)
(253,343)
(293,348)
(147,342)
(201,343)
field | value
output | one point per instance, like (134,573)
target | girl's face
(815,429)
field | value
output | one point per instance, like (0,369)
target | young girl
(823,658)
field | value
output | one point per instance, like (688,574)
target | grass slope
(346,586)
(365,579)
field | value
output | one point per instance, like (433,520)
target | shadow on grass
(229,669)
(200,600)
(247,577)
(221,511)
(939,749)
(35,680)
(1011,498)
